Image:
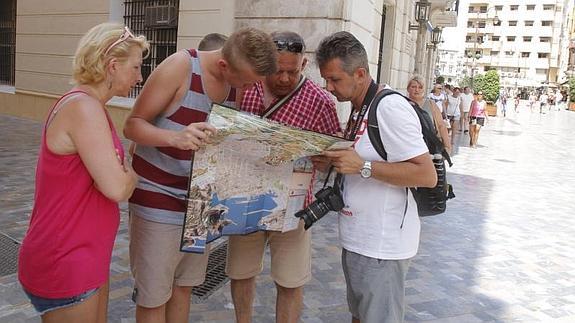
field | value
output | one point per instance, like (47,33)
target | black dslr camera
(328,199)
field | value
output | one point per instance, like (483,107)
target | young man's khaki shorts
(157,263)
(290,252)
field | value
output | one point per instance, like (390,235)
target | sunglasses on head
(125,35)
(290,46)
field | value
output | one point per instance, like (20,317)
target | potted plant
(489,85)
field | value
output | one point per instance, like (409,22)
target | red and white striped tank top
(160,194)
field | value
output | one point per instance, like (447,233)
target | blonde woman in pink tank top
(81,176)
(478,118)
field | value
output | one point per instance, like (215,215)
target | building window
(510,38)
(481,24)
(514,7)
(483,9)
(543,55)
(547,23)
(471,9)
(545,39)
(470,24)
(528,23)
(509,53)
(494,53)
(548,7)
(468,39)
(525,54)
(512,23)
(530,7)
(526,39)
(7,41)
(495,38)
(161,33)
(498,8)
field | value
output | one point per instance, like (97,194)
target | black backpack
(430,201)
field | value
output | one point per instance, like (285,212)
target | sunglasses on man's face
(290,46)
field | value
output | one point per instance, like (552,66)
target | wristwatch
(366,169)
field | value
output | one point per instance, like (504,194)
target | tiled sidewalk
(502,253)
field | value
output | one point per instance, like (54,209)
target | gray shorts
(375,287)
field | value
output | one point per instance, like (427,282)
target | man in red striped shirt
(305,106)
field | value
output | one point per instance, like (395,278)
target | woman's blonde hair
(416,78)
(97,47)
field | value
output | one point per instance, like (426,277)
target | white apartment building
(519,38)
(450,65)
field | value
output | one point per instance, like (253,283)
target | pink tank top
(478,108)
(68,246)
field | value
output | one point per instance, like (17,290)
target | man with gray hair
(379,225)
(287,97)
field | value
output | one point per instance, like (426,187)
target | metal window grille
(7,41)
(158,21)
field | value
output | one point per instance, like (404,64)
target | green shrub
(488,84)
(465,81)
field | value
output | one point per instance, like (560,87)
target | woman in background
(416,92)
(478,118)
(81,176)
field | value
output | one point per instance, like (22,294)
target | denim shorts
(45,305)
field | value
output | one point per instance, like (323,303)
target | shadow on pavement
(442,279)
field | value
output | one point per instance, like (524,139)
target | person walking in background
(453,112)
(565,99)
(478,118)
(439,98)
(516,105)
(558,99)
(168,124)
(64,259)
(503,102)
(416,92)
(543,101)
(306,106)
(466,99)
(532,100)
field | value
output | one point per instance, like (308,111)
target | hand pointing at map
(194,136)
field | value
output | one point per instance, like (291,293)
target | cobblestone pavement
(502,253)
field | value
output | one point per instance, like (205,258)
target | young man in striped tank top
(168,125)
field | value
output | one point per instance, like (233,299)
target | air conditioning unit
(161,17)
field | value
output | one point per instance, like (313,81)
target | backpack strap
(431,139)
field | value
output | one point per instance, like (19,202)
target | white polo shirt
(371,222)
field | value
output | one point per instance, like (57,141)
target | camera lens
(313,212)
(328,199)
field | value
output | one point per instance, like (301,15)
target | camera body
(327,199)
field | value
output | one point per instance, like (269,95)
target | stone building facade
(47,33)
